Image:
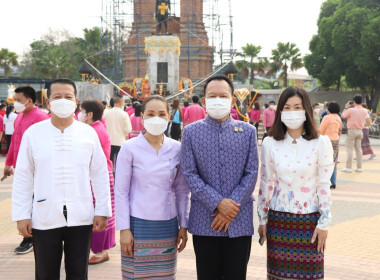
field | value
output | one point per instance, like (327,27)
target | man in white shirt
(52,200)
(118,126)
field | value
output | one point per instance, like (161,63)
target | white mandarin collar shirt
(295,178)
(55,169)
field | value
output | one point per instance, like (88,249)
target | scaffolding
(117,17)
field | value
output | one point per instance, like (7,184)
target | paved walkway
(353,245)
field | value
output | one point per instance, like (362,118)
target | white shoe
(359,170)
(348,170)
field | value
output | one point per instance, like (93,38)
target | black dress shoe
(333,187)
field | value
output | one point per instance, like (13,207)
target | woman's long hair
(278,129)
(9,109)
(176,107)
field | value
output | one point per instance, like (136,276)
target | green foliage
(348,45)
(57,54)
(251,61)
(7,59)
(262,84)
(286,55)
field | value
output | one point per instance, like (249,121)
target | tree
(58,54)
(349,46)
(286,55)
(254,62)
(7,59)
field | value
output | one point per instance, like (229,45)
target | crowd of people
(155,171)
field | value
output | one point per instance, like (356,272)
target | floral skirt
(290,254)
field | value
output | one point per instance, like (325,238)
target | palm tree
(7,59)
(285,54)
(251,52)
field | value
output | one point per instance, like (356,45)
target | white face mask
(317,110)
(19,107)
(63,108)
(218,108)
(82,117)
(155,125)
(272,106)
(293,119)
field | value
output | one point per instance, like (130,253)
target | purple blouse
(150,185)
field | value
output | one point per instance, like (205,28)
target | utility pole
(231,31)
(137,41)
(188,39)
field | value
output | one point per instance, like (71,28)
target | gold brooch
(236,129)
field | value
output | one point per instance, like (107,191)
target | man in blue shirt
(219,160)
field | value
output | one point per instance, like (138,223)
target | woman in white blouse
(294,197)
(9,120)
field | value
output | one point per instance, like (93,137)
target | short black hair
(28,92)
(195,98)
(333,107)
(62,81)
(186,104)
(315,105)
(358,99)
(2,106)
(95,107)
(138,109)
(117,99)
(219,78)
(104,103)
(272,102)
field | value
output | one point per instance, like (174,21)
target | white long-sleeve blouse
(295,178)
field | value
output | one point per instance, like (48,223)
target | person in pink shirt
(194,112)
(268,117)
(331,126)
(91,114)
(131,109)
(25,98)
(254,116)
(185,106)
(151,198)
(355,123)
(136,121)
(234,114)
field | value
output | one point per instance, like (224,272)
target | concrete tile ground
(353,250)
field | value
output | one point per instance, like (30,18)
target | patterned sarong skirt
(105,239)
(290,254)
(155,250)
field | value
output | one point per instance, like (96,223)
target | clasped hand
(227,210)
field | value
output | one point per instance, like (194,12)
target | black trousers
(175,131)
(113,156)
(48,248)
(220,258)
(9,140)
(266,133)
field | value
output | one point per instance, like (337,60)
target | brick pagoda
(194,66)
